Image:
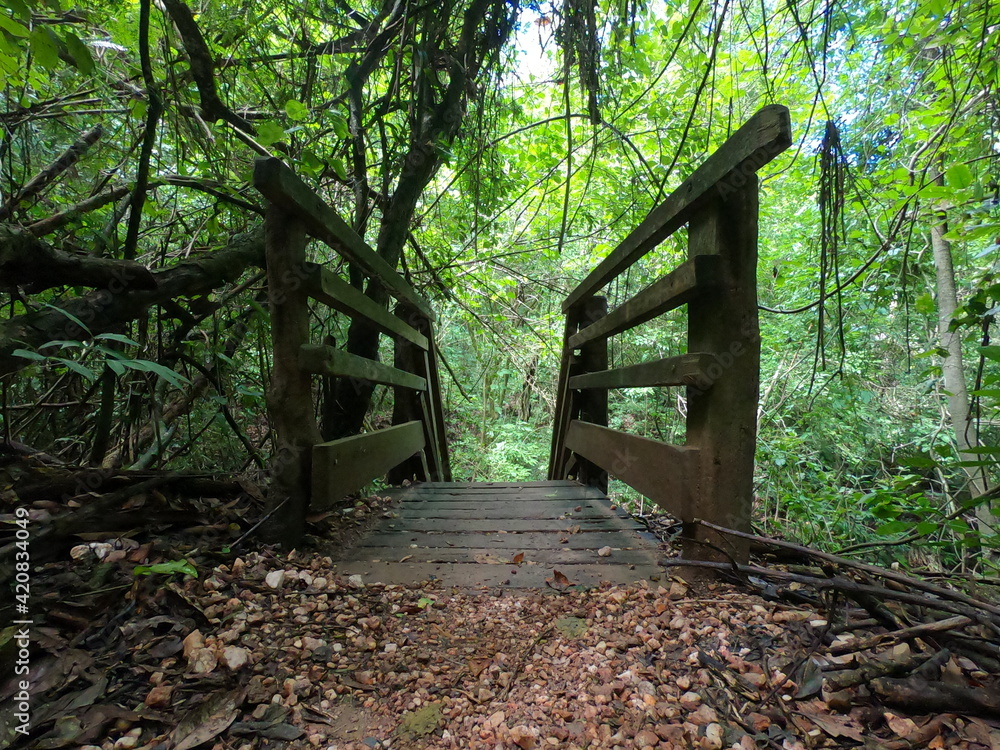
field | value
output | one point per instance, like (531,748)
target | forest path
(525,535)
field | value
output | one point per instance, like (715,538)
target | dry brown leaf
(518,558)
(207,720)
(558,581)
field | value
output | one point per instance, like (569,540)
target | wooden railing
(313,475)
(711,476)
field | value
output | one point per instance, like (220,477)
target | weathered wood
(528,540)
(663,473)
(475,576)
(680,286)
(343,466)
(408,405)
(486,556)
(325,286)
(282,186)
(722,420)
(686,369)
(494,486)
(319,359)
(289,397)
(436,408)
(516,525)
(558,455)
(522,509)
(762,137)
(592,405)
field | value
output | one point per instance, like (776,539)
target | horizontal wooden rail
(318,359)
(686,369)
(673,290)
(666,474)
(283,188)
(323,285)
(341,467)
(764,136)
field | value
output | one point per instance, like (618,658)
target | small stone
(235,658)
(391,648)
(311,644)
(496,719)
(275,579)
(604,552)
(677,591)
(356,581)
(129,741)
(646,738)
(703,716)
(690,701)
(714,736)
(159,696)
(523,737)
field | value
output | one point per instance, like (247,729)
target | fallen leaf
(518,558)
(558,581)
(207,720)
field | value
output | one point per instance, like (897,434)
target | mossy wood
(762,137)
(344,466)
(711,477)
(318,359)
(282,187)
(685,369)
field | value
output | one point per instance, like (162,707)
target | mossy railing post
(710,477)
(722,407)
(289,395)
(308,474)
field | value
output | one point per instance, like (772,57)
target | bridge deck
(471,534)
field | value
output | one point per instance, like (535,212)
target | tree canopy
(494,152)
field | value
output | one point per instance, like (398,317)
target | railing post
(289,396)
(425,407)
(592,405)
(722,408)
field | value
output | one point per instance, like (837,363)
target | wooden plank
(499,511)
(762,137)
(325,286)
(343,466)
(558,455)
(319,359)
(442,525)
(403,540)
(475,576)
(537,494)
(484,486)
(678,287)
(686,369)
(436,407)
(486,556)
(663,473)
(280,185)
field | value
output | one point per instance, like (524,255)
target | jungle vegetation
(134,330)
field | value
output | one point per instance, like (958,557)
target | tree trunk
(952,367)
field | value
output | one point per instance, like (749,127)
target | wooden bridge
(519,534)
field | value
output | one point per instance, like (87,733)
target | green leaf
(167,568)
(924,304)
(25,354)
(340,126)
(70,316)
(990,352)
(269,132)
(80,53)
(338,167)
(174,378)
(893,527)
(12,27)
(78,368)
(117,337)
(296,110)
(927,527)
(45,47)
(959,176)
